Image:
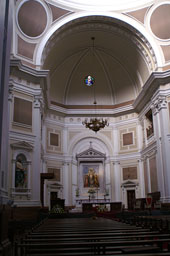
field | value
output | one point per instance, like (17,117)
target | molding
(104,23)
(16,63)
(109,5)
(22,145)
(155,80)
(29,138)
(159,103)
(83,111)
(149,150)
(129,183)
(40,77)
(123,20)
(152,84)
(90,154)
(126,157)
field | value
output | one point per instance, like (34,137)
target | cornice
(89,110)
(149,150)
(152,84)
(36,76)
(155,80)
(16,63)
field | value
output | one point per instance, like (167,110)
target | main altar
(92,185)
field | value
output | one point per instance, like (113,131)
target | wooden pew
(80,237)
(100,247)
(160,222)
(57,235)
(33,239)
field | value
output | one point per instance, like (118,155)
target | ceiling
(117,62)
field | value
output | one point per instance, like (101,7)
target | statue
(19,174)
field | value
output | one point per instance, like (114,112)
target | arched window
(21,171)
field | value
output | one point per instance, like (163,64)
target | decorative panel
(54,140)
(127,139)
(22,111)
(153,174)
(56,173)
(130,173)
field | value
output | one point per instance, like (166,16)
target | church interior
(84,114)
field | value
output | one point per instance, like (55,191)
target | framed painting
(91,176)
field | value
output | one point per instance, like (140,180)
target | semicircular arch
(81,142)
(38,56)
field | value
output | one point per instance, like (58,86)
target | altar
(92,201)
(89,205)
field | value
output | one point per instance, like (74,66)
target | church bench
(90,231)
(52,239)
(97,247)
(92,235)
(139,249)
(114,254)
(161,223)
(88,226)
(83,231)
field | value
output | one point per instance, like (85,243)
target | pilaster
(66,185)
(117,181)
(37,112)
(141,178)
(161,127)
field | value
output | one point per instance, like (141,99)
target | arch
(134,24)
(81,142)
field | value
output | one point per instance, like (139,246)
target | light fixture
(94,124)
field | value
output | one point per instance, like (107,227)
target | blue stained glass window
(89,80)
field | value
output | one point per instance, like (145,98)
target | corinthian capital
(159,103)
(38,101)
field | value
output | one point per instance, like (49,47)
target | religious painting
(21,171)
(91,176)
